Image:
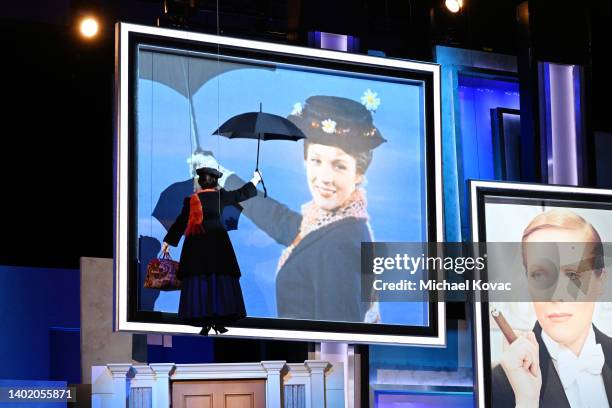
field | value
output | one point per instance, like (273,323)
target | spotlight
(89,27)
(453,5)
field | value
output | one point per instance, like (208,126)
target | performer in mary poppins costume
(210,294)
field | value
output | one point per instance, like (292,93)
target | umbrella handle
(263,184)
(265,190)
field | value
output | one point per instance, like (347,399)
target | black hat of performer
(337,121)
(210,171)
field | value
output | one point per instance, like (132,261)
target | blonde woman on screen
(565,361)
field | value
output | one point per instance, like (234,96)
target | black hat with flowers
(339,122)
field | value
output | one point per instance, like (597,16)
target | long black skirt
(211,299)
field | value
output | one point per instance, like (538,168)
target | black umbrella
(260,126)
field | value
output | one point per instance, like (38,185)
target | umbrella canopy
(186,75)
(261,126)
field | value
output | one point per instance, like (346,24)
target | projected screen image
(360,179)
(563,329)
(366,167)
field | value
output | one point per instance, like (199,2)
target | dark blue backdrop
(39,316)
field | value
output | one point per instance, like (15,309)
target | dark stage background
(57,110)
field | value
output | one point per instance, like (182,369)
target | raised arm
(272,217)
(245,192)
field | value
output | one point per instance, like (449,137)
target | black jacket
(321,279)
(552,394)
(212,251)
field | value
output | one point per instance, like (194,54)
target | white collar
(555,348)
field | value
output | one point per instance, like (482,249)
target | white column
(144,377)
(317,381)
(340,355)
(274,369)
(119,373)
(161,388)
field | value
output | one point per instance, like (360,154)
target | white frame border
(473,188)
(122,31)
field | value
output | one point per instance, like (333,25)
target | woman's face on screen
(564,319)
(332,175)
(565,322)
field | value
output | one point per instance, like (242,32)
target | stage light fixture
(454,6)
(89,27)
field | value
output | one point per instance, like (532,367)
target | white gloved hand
(256,178)
(206,159)
(165,248)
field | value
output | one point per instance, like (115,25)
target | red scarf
(196,215)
